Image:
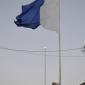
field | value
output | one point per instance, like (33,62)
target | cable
(39,51)
(22,50)
(72,49)
(34,52)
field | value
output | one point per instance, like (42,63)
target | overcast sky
(21,68)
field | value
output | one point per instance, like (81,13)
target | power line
(39,51)
(34,52)
(72,49)
(22,50)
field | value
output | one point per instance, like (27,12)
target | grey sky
(20,68)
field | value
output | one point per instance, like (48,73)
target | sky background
(23,68)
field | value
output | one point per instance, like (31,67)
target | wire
(38,51)
(72,49)
(34,52)
(22,50)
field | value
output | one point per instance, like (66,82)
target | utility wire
(40,51)
(22,50)
(72,49)
(34,52)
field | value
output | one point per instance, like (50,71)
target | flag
(50,15)
(40,12)
(30,16)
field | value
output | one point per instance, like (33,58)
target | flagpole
(45,65)
(59,39)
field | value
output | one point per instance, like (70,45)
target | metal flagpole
(59,37)
(45,65)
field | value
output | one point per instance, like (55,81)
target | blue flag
(30,16)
